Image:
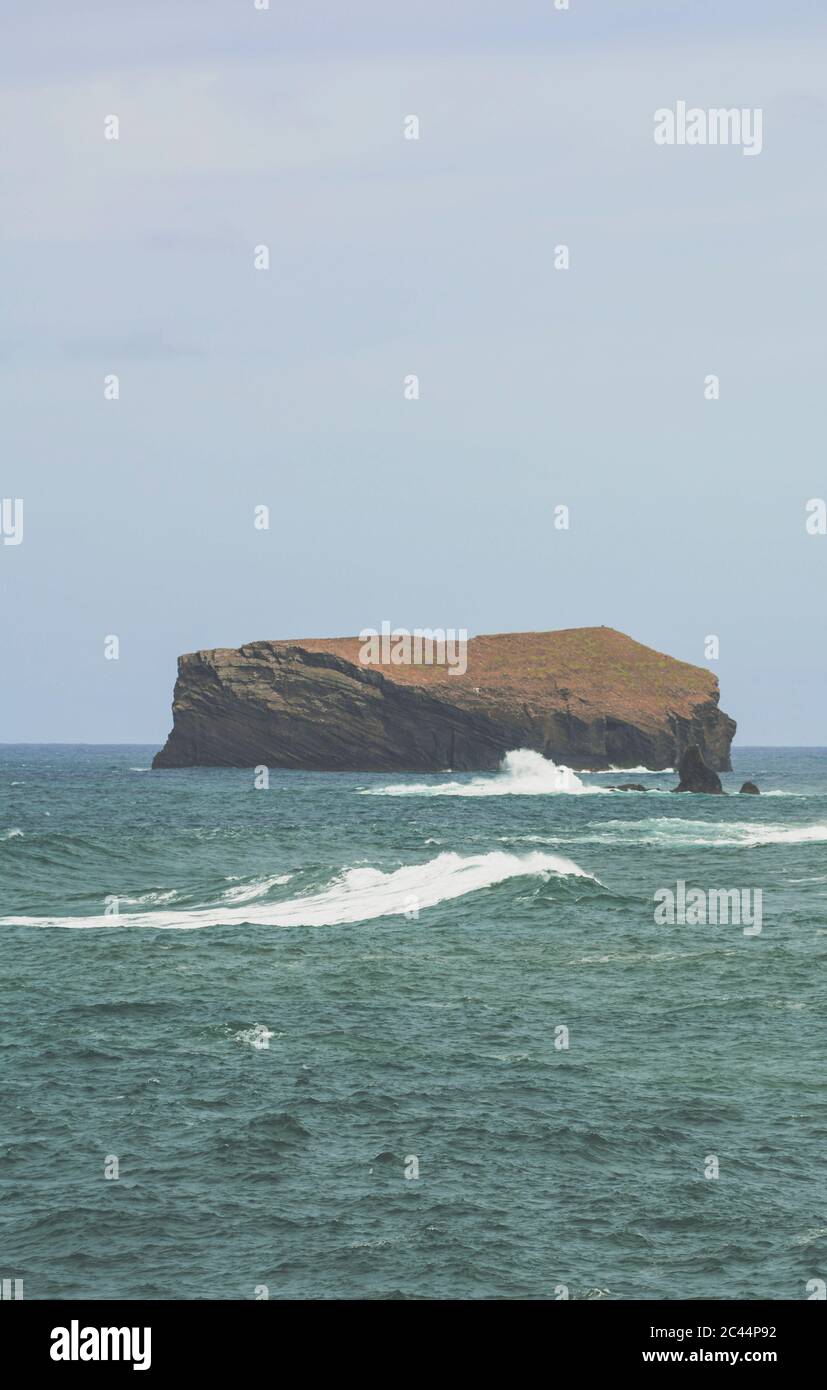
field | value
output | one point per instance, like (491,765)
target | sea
(351,1036)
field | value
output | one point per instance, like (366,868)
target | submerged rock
(696,776)
(750,789)
(629,787)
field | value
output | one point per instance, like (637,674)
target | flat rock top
(597,666)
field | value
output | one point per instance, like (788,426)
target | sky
(238,387)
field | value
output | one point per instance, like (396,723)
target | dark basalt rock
(585,697)
(750,789)
(628,787)
(696,776)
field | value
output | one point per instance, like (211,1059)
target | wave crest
(258,888)
(650,771)
(522,773)
(676,832)
(356,895)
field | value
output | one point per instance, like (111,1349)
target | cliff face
(587,697)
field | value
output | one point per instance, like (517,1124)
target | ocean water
(270,1005)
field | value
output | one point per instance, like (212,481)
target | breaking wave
(258,1036)
(674,831)
(356,895)
(159,896)
(259,888)
(746,834)
(650,771)
(521,773)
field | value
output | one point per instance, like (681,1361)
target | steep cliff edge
(587,697)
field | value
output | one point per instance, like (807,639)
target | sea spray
(522,773)
(356,895)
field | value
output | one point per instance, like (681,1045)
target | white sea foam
(159,896)
(12,834)
(675,831)
(784,835)
(258,1036)
(738,834)
(522,773)
(356,895)
(650,771)
(258,888)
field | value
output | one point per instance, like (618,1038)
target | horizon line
(141,743)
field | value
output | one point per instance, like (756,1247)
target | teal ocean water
(271,1005)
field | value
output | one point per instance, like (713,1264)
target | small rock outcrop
(750,789)
(696,776)
(628,787)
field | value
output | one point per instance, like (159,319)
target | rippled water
(362,979)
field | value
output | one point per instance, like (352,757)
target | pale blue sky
(284,127)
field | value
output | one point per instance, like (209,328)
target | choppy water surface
(265,1004)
